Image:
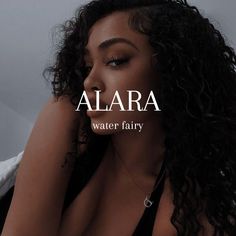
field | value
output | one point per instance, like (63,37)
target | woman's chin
(103,131)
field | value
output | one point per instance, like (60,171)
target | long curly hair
(197,97)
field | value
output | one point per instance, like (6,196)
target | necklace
(147,202)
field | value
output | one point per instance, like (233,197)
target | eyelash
(122,61)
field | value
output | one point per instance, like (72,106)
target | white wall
(14,130)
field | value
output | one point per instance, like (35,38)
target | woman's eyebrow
(107,43)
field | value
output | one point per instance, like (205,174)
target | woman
(176,174)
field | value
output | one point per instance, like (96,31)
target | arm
(41,180)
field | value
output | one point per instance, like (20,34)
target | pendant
(147,202)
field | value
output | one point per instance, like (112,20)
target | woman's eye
(115,62)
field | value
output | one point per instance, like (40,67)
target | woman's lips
(100,106)
(97,109)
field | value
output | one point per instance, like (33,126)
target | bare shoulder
(41,178)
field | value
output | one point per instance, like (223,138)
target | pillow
(8,169)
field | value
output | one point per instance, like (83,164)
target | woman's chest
(101,211)
(109,207)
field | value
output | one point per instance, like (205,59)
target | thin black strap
(146,223)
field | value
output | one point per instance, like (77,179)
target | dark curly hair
(196,95)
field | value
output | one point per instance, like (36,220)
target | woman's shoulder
(42,178)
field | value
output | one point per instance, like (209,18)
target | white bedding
(8,171)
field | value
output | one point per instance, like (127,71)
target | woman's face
(118,59)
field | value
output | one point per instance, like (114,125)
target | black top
(144,227)
(5,202)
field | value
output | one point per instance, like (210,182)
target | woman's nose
(93,82)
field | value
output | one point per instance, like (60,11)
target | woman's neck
(141,152)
